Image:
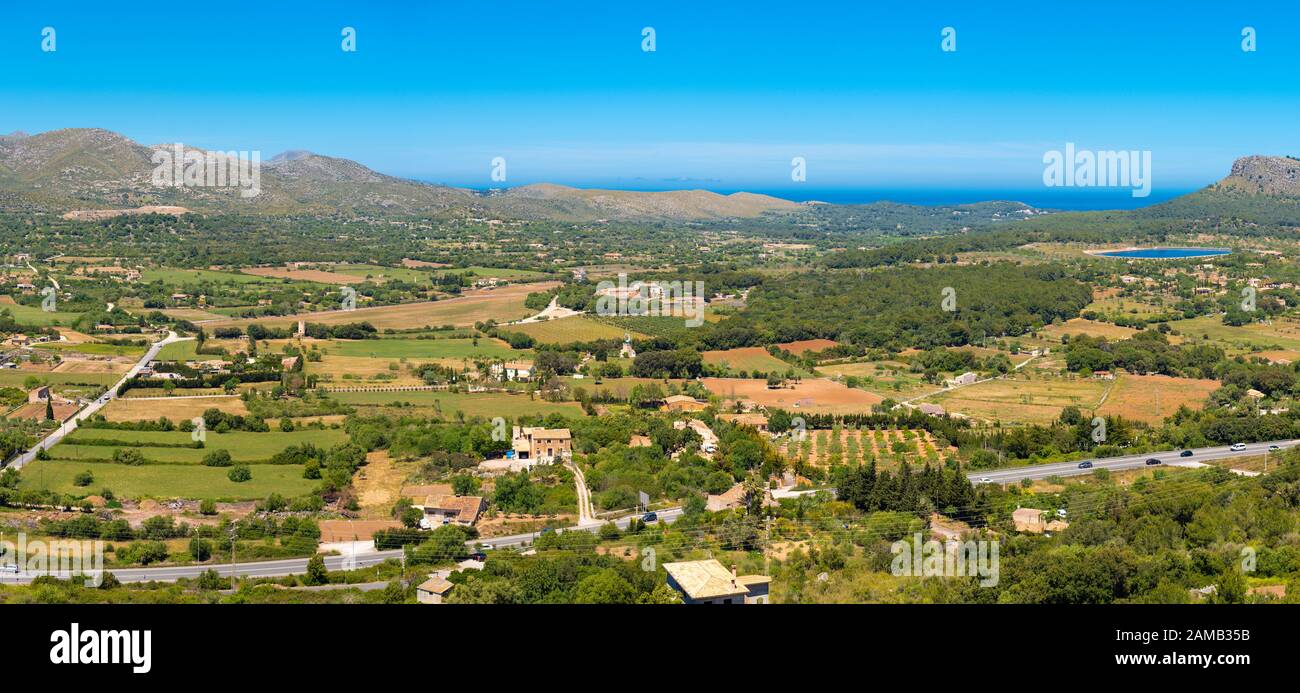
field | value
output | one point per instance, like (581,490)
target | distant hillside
(85,169)
(74,166)
(88,169)
(551,201)
(80,169)
(1264,175)
(898,219)
(1258,194)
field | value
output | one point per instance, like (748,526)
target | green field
(578,328)
(95,348)
(892,379)
(243,446)
(15,378)
(501,273)
(182,277)
(619,387)
(1283,333)
(486,348)
(750,359)
(180,351)
(167,481)
(485,404)
(406,274)
(640,326)
(28,315)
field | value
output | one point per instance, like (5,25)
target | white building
(512,370)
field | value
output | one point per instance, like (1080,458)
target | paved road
(295,566)
(89,410)
(1042,471)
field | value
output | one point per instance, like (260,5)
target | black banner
(338,642)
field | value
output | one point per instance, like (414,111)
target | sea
(1074,199)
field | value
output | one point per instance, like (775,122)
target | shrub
(129,456)
(240,473)
(316,573)
(274,503)
(218,458)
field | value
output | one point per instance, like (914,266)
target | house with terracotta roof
(708,582)
(512,370)
(433,590)
(450,509)
(683,403)
(931,409)
(541,444)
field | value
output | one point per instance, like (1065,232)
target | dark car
(649,517)
(477,556)
(1185,453)
(1154,461)
(1085,465)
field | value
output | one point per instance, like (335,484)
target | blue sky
(733,92)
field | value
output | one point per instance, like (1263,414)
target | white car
(8,568)
(985,480)
(1238,447)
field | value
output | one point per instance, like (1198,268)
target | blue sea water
(1072,199)
(1166,253)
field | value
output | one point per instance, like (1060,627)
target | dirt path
(553,311)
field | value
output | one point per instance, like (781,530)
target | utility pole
(767,541)
(234,566)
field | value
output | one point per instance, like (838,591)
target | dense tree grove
(932,489)
(1146,352)
(912,307)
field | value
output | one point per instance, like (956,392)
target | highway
(294,566)
(89,410)
(1008,475)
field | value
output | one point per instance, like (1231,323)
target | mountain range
(90,168)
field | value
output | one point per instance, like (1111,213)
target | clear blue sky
(562,89)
